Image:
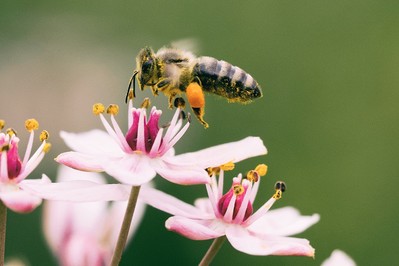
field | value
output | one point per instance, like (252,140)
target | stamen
(146,103)
(280,187)
(47,147)
(11,132)
(2,124)
(31,124)
(179,103)
(261,169)
(216,170)
(44,135)
(98,108)
(238,189)
(113,109)
(227,166)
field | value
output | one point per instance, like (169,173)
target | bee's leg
(196,98)
(171,98)
(154,90)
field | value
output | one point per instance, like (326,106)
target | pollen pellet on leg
(195,95)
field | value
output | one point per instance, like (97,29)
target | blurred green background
(329,115)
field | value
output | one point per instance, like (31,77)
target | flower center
(9,149)
(239,191)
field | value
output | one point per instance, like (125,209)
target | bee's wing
(187,44)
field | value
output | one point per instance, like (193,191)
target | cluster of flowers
(89,233)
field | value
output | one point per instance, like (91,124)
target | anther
(146,103)
(227,166)
(44,135)
(113,109)
(11,132)
(47,147)
(261,169)
(280,187)
(238,189)
(31,124)
(2,124)
(98,108)
(253,176)
(179,102)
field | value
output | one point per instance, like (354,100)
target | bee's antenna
(132,84)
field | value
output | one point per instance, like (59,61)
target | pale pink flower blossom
(145,150)
(338,258)
(264,232)
(82,234)
(14,170)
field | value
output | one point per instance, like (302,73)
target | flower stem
(127,220)
(212,251)
(3,221)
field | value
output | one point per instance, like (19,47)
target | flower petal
(19,200)
(181,174)
(224,153)
(338,258)
(80,161)
(92,142)
(172,205)
(254,244)
(76,190)
(131,169)
(195,229)
(283,222)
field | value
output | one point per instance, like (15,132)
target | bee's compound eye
(280,185)
(147,65)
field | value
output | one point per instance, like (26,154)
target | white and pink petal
(284,221)
(224,153)
(19,200)
(195,229)
(262,245)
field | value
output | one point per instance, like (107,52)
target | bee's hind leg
(196,98)
(199,113)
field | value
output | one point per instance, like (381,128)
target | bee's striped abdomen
(224,79)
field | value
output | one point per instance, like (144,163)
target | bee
(174,72)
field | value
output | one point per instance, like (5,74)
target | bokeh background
(329,115)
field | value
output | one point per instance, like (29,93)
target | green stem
(212,251)
(127,220)
(3,221)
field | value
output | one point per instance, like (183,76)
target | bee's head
(147,67)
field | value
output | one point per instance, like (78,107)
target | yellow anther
(98,108)
(146,103)
(113,109)
(278,194)
(227,166)
(261,169)
(2,124)
(11,132)
(238,189)
(44,135)
(253,176)
(47,147)
(280,187)
(31,124)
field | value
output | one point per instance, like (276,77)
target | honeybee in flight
(174,72)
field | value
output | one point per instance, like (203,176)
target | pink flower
(13,170)
(264,232)
(338,258)
(85,233)
(146,149)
